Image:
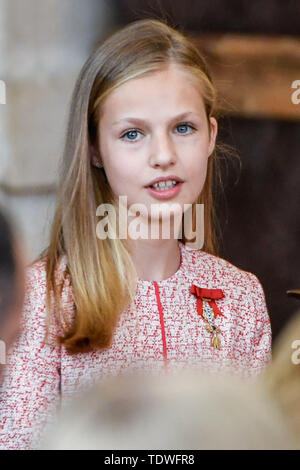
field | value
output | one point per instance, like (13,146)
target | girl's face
(155,126)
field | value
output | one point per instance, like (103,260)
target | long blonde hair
(101,272)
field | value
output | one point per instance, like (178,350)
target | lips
(164,178)
(166,193)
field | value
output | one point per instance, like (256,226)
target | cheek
(197,161)
(123,176)
(118,164)
(197,175)
(198,182)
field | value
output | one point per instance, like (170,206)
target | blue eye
(128,133)
(185,125)
(133,132)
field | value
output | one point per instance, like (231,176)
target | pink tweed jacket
(160,330)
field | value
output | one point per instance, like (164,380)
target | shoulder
(36,277)
(36,272)
(35,293)
(34,307)
(216,271)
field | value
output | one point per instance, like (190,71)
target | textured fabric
(160,331)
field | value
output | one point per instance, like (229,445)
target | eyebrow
(143,121)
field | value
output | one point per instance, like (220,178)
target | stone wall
(43,45)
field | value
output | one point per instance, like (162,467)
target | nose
(162,151)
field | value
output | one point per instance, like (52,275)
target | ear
(213,135)
(95,157)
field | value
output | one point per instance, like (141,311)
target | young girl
(142,112)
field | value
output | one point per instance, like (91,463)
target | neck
(155,260)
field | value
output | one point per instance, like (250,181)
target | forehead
(170,90)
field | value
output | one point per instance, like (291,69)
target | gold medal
(208,309)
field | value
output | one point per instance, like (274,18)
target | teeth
(164,184)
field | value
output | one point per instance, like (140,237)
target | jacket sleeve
(30,391)
(262,334)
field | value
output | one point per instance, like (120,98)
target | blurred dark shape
(239,16)
(7,268)
(11,281)
(259,212)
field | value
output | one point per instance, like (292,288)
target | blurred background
(253,49)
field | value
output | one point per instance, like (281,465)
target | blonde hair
(101,272)
(282,378)
(189,410)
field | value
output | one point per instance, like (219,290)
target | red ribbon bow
(211,295)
